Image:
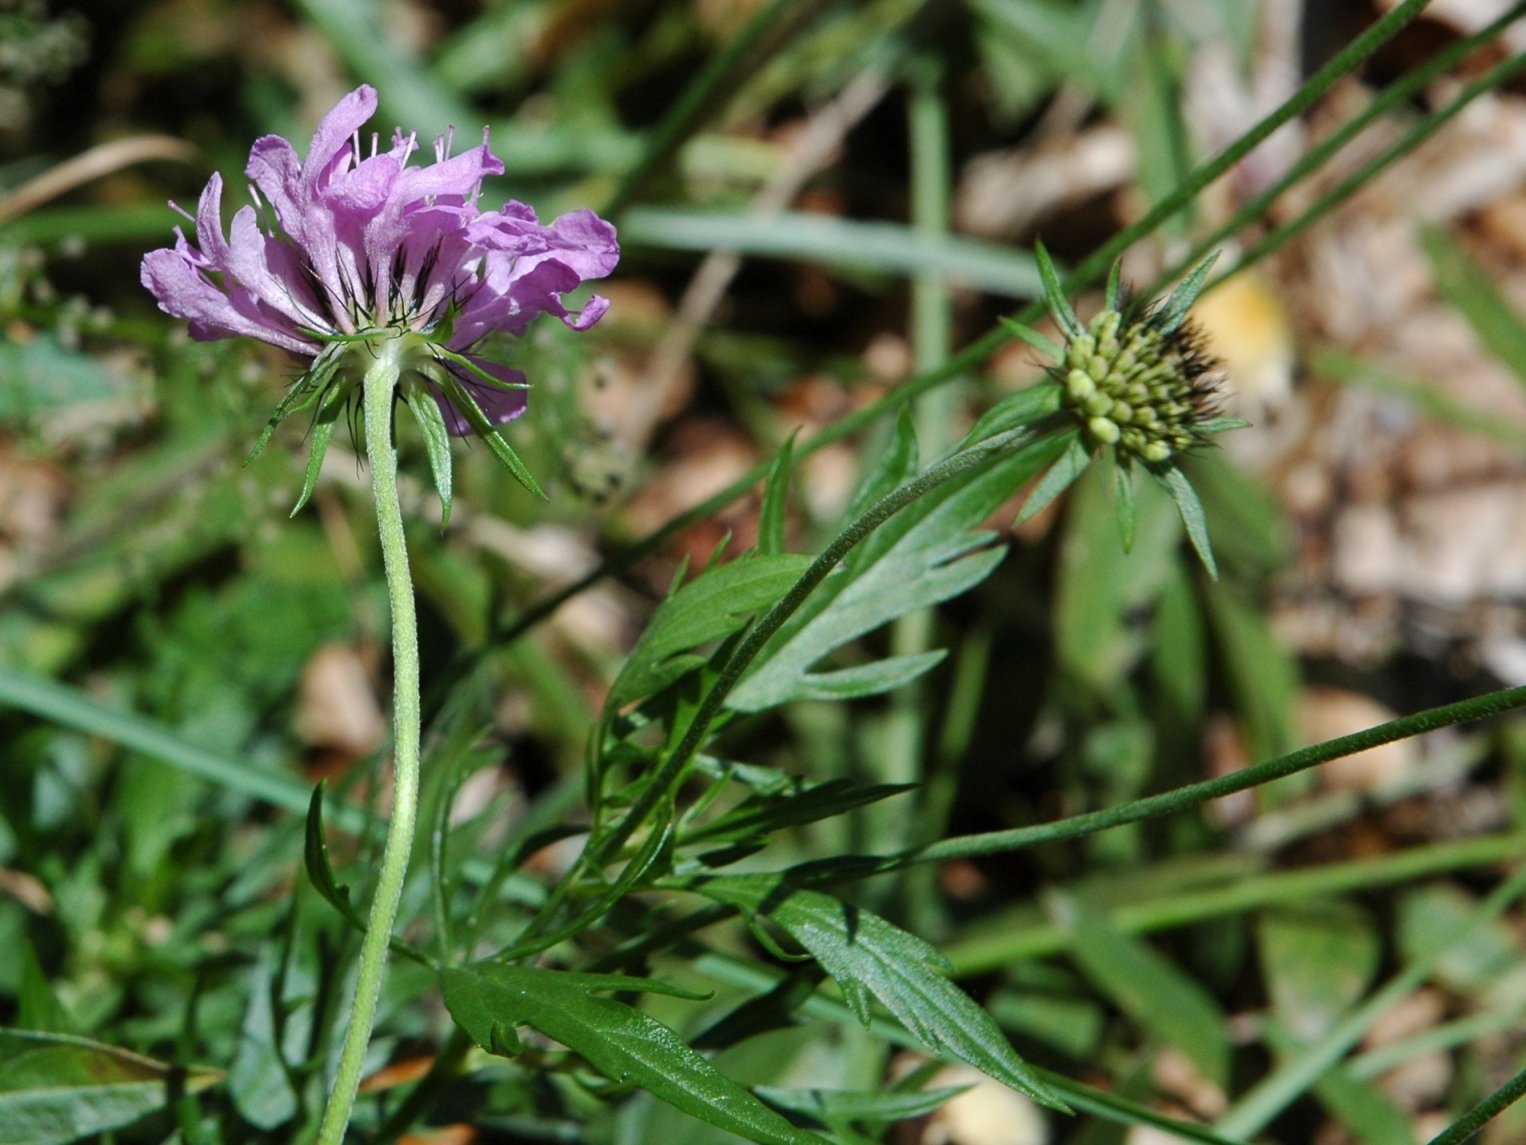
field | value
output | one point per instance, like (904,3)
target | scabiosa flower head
(354,245)
(1139,380)
(1139,388)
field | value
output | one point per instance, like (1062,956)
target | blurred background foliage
(817,200)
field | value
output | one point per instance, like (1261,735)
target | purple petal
(249,255)
(499,406)
(423,206)
(586,243)
(592,311)
(330,152)
(297,192)
(366,188)
(209,223)
(274,168)
(368,239)
(580,239)
(174,278)
(509,297)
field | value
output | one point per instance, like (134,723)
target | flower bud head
(1139,385)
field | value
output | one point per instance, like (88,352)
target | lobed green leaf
(623,1043)
(715,604)
(866,955)
(925,554)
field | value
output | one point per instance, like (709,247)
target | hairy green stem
(1481,1114)
(379,388)
(992,842)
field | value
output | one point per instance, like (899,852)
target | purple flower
(348,245)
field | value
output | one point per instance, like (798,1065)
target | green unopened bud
(1103,430)
(1140,384)
(1079,385)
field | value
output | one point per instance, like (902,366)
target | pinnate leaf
(710,607)
(625,1044)
(866,955)
(930,551)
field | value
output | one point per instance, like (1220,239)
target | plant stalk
(378,390)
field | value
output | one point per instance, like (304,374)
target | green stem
(1481,1114)
(903,759)
(1502,72)
(379,388)
(993,842)
(1395,95)
(1023,936)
